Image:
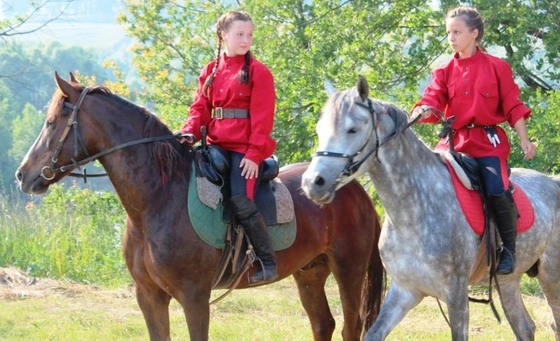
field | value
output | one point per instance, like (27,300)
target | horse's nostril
(319,181)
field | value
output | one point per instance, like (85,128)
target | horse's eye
(352,131)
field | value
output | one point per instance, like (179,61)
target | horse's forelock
(340,103)
(55,105)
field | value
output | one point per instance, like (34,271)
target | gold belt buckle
(219,113)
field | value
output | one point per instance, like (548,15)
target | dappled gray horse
(426,243)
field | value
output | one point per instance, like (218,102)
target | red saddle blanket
(471,204)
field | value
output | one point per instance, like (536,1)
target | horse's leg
(521,323)
(152,300)
(458,309)
(397,304)
(154,303)
(195,299)
(311,288)
(549,279)
(350,273)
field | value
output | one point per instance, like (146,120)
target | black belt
(472,125)
(220,113)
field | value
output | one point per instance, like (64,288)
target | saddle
(212,163)
(208,194)
(466,177)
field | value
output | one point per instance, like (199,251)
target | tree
(7,111)
(393,43)
(297,39)
(25,129)
(31,20)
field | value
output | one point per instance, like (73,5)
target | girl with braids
(479,91)
(235,100)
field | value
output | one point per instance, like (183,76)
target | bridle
(352,165)
(49,172)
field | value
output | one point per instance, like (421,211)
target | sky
(87,23)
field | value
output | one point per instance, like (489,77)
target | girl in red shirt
(479,91)
(235,100)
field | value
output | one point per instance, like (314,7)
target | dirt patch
(15,284)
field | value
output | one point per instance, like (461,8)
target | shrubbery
(74,233)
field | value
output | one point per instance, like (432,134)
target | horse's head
(351,129)
(85,124)
(56,143)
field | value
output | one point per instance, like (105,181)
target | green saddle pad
(210,227)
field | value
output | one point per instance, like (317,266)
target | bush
(73,233)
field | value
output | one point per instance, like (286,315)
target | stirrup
(264,276)
(509,269)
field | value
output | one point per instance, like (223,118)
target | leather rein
(353,166)
(49,172)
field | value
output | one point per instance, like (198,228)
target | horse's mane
(399,116)
(169,156)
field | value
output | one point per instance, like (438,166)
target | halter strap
(49,172)
(353,166)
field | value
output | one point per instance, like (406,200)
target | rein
(49,172)
(353,166)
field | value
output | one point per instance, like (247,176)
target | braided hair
(223,25)
(472,19)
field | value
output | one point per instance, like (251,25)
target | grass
(72,243)
(75,234)
(67,312)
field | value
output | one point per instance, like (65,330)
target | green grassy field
(59,310)
(75,286)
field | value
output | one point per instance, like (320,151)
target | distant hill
(101,11)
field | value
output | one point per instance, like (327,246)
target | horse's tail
(373,289)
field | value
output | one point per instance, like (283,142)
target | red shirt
(250,136)
(479,90)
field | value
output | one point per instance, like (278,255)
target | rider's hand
(529,149)
(423,110)
(250,169)
(189,139)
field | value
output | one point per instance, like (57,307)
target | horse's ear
(72,78)
(329,88)
(363,88)
(63,85)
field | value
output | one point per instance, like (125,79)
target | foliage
(394,44)
(544,132)
(25,13)
(75,233)
(22,96)
(24,130)
(296,39)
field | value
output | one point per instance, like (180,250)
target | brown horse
(164,255)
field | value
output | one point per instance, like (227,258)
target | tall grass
(76,234)
(73,233)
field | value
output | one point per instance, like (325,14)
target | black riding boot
(255,228)
(506,216)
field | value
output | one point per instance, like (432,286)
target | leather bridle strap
(353,166)
(72,123)
(49,172)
